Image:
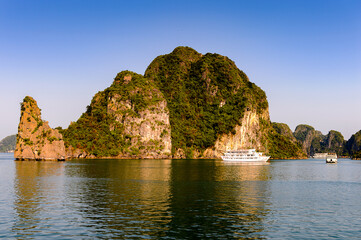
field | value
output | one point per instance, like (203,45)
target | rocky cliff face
(130,119)
(35,139)
(246,135)
(284,130)
(255,131)
(353,145)
(306,135)
(145,117)
(335,142)
(315,142)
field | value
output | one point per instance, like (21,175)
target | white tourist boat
(248,155)
(331,158)
(319,156)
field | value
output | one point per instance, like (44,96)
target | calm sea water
(179,199)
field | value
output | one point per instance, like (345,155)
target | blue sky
(306,55)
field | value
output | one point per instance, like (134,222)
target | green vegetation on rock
(302,131)
(187,104)
(207,96)
(335,142)
(315,142)
(353,145)
(280,143)
(284,129)
(98,132)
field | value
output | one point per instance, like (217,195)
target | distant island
(8,144)
(314,141)
(186,105)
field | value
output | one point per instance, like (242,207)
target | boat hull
(331,160)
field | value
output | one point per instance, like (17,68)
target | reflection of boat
(246,163)
(248,155)
(331,158)
(319,155)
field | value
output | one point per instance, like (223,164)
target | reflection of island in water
(213,199)
(36,189)
(141,198)
(121,197)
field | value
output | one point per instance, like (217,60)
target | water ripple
(180,199)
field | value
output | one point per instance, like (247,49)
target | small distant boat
(247,155)
(319,155)
(331,158)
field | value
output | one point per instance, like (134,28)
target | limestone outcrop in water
(208,97)
(214,107)
(130,119)
(314,141)
(353,145)
(306,135)
(35,139)
(187,105)
(8,143)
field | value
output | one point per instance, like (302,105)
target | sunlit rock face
(130,119)
(35,139)
(247,135)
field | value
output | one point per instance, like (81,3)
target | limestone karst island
(186,105)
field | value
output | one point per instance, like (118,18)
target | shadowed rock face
(284,129)
(8,144)
(35,139)
(315,142)
(335,142)
(305,134)
(353,145)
